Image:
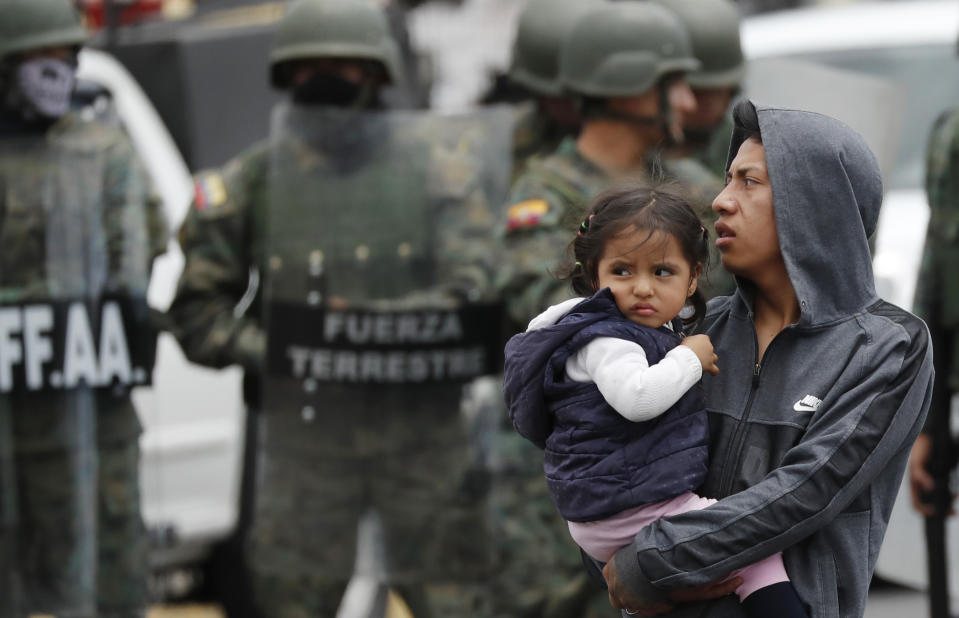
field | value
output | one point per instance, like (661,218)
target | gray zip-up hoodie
(808,449)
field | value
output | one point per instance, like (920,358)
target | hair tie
(584,226)
(578,263)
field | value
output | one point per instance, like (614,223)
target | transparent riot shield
(379,309)
(72,301)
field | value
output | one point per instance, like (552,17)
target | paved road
(888,601)
(885,601)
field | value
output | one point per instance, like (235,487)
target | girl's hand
(703,347)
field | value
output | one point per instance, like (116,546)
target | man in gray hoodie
(822,390)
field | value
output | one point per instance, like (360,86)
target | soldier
(79,228)
(713,27)
(551,114)
(934,453)
(698,161)
(625,64)
(366,233)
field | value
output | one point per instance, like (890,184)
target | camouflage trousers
(45,564)
(539,572)
(415,470)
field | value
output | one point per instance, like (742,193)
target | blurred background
(189,78)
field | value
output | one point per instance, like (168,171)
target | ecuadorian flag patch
(209,191)
(525,214)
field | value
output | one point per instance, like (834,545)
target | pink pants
(601,539)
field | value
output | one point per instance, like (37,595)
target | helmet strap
(666,113)
(599,108)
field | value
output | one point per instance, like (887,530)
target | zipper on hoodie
(736,444)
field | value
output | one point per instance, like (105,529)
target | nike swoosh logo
(802,407)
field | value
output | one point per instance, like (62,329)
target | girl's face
(649,276)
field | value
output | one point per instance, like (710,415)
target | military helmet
(713,27)
(333,29)
(623,49)
(542,26)
(35,24)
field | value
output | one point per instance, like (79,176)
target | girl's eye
(662,271)
(749,182)
(621,271)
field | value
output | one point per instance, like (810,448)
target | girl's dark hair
(653,210)
(746,121)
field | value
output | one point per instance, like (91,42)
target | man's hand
(706,592)
(621,597)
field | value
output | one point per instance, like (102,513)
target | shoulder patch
(209,191)
(527,213)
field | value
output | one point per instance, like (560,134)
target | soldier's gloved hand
(249,347)
(921,482)
(337,303)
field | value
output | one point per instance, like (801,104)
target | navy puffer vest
(597,462)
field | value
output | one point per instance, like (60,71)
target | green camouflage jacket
(534,136)
(937,290)
(223,241)
(546,204)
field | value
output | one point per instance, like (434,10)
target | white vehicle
(193,417)
(900,57)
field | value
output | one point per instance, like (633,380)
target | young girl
(610,389)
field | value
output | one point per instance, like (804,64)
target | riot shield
(72,305)
(379,309)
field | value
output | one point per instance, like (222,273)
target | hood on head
(827,191)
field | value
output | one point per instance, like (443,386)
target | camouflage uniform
(937,291)
(534,67)
(77,221)
(535,136)
(547,204)
(134,219)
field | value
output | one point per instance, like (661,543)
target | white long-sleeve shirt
(619,368)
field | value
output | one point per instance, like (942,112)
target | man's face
(711,107)
(746,229)
(679,97)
